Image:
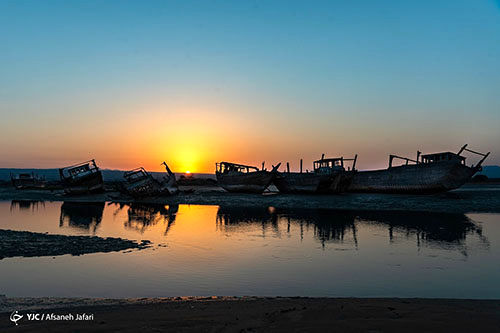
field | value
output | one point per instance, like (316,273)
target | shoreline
(257,314)
(468,199)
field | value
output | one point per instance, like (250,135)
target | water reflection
(142,216)
(228,217)
(23,205)
(258,251)
(81,215)
(447,230)
(424,229)
(329,226)
(450,228)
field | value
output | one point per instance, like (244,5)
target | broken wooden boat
(430,173)
(23,181)
(328,176)
(140,183)
(244,178)
(82,178)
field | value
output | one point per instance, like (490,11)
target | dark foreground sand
(253,314)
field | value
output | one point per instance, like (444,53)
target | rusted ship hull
(253,182)
(417,179)
(89,184)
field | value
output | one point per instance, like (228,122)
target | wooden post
(462,149)
(263,165)
(322,156)
(300,165)
(418,155)
(287,167)
(354,163)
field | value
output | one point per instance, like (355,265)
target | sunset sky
(133,83)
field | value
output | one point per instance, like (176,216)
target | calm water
(210,250)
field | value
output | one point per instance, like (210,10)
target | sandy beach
(257,314)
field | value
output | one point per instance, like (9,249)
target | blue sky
(283,79)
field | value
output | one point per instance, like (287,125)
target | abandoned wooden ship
(140,183)
(328,176)
(82,178)
(431,173)
(27,181)
(244,178)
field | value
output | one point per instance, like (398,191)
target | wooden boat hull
(22,184)
(341,182)
(418,178)
(150,188)
(92,183)
(296,182)
(252,182)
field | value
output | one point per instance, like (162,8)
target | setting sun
(188,172)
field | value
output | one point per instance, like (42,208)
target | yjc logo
(15,317)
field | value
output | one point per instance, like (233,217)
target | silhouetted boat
(329,176)
(431,173)
(140,183)
(243,178)
(82,178)
(27,181)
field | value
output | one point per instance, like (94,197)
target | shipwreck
(244,178)
(328,176)
(27,181)
(430,173)
(140,183)
(82,178)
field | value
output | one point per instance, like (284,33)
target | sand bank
(257,314)
(32,244)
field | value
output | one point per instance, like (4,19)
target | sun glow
(188,172)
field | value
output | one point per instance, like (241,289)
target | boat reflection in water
(81,215)
(443,230)
(23,205)
(142,216)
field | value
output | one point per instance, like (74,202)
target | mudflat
(470,198)
(33,244)
(259,314)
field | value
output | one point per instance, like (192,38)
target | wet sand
(32,244)
(470,198)
(253,314)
